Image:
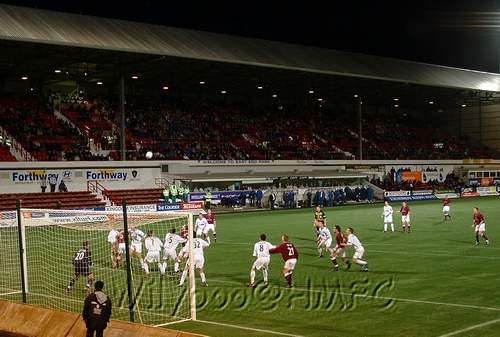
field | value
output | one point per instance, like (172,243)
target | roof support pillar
(123,137)
(360,127)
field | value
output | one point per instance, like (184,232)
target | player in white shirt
(324,239)
(261,252)
(153,246)
(113,241)
(172,240)
(198,259)
(136,237)
(202,227)
(359,250)
(387,215)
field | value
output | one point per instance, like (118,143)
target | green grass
(449,283)
(428,283)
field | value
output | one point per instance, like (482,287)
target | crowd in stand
(393,180)
(208,131)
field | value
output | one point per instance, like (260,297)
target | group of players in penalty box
(206,223)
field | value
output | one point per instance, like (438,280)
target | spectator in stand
(62,187)
(52,183)
(258,195)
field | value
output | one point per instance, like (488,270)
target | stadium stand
(209,131)
(133,197)
(43,135)
(66,200)
(5,154)
(26,320)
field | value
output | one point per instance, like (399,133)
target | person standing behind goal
(96,311)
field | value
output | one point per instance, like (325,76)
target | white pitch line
(11,293)
(473,327)
(249,328)
(170,323)
(468,306)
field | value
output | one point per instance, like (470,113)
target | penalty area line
(249,328)
(472,327)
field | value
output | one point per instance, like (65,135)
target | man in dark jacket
(97,311)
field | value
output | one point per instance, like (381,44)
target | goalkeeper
(82,262)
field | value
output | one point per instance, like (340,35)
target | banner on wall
(432,176)
(38,180)
(411,198)
(412,176)
(487,191)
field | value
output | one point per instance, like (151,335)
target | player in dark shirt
(290,255)
(319,218)
(210,216)
(82,263)
(340,249)
(479,226)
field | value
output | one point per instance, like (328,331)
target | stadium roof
(56,28)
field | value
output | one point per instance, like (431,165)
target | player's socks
(334,261)
(215,237)
(477,239)
(183,277)
(288,278)
(361,262)
(320,252)
(487,241)
(385,227)
(208,239)
(203,279)
(252,277)
(348,264)
(146,268)
(160,268)
(392,227)
(71,283)
(176,267)
(264,273)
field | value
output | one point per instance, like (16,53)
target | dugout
(45,51)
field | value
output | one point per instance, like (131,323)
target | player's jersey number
(291,251)
(79,256)
(261,248)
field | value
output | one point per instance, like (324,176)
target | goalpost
(54,239)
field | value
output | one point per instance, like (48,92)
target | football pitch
(433,282)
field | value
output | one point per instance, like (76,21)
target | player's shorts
(209,227)
(152,257)
(261,262)
(340,251)
(388,219)
(290,264)
(169,254)
(480,228)
(358,254)
(136,247)
(83,270)
(326,243)
(446,209)
(199,261)
(405,218)
(121,248)
(201,230)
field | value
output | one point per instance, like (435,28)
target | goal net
(67,251)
